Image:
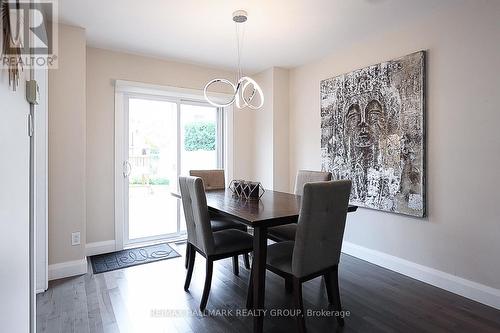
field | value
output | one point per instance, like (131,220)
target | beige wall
(270,131)
(263,132)
(280,129)
(461,234)
(244,145)
(67,133)
(103,67)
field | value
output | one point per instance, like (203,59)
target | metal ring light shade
(256,88)
(219,105)
(238,93)
(244,82)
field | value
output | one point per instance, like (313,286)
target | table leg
(259,276)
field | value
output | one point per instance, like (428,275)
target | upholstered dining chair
(287,232)
(215,180)
(212,179)
(320,231)
(202,239)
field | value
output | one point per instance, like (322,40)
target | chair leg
(327,278)
(236,266)
(299,305)
(187,256)
(332,288)
(208,282)
(246,258)
(191,254)
(288,285)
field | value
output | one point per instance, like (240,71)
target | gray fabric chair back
(212,179)
(306,176)
(320,228)
(196,214)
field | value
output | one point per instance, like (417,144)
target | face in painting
(365,125)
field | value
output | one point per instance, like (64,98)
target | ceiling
(284,33)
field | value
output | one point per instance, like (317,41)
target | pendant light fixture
(245,89)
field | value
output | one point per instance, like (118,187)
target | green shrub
(199,136)
(152,181)
(159,181)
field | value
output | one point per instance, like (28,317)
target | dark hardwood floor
(150,298)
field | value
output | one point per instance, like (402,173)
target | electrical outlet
(75,238)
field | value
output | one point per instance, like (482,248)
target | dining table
(274,208)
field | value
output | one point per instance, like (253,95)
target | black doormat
(131,257)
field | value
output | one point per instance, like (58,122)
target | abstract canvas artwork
(372,132)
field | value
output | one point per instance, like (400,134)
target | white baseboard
(452,283)
(67,268)
(91,249)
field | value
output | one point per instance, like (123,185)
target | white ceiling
(282,33)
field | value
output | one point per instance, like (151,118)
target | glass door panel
(152,211)
(199,138)
(166,138)
(200,146)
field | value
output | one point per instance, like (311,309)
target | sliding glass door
(200,137)
(164,138)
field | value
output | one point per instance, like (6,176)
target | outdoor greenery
(199,136)
(151,181)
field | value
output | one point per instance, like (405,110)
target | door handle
(127,169)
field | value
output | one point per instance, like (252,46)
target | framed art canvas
(373,132)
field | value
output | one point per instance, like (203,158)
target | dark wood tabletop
(271,207)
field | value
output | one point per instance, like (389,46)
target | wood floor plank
(150,298)
(94,313)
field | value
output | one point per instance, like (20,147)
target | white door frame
(125,89)
(41,181)
(126,98)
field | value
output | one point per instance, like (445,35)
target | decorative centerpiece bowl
(247,189)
